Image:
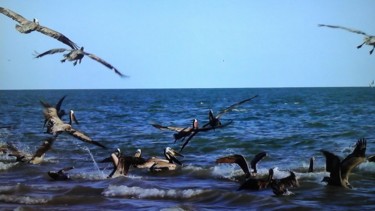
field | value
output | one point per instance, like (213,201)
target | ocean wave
(141,193)
(22,199)
(6,166)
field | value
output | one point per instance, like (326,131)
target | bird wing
(96,58)
(161,127)
(52,51)
(189,138)
(46,145)
(233,106)
(57,35)
(239,159)
(15,16)
(333,166)
(345,28)
(354,159)
(258,157)
(58,105)
(81,136)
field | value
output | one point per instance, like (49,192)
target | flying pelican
(56,126)
(35,158)
(340,170)
(368,40)
(77,55)
(60,112)
(280,186)
(241,161)
(122,163)
(156,164)
(27,26)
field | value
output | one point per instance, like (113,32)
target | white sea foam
(139,192)
(22,199)
(5,166)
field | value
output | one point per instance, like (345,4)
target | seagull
(241,161)
(368,40)
(340,169)
(35,158)
(56,126)
(77,55)
(27,26)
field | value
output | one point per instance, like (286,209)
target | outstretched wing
(57,35)
(354,159)
(96,58)
(161,127)
(345,28)
(239,159)
(233,106)
(15,16)
(258,157)
(52,51)
(81,136)
(333,166)
(46,145)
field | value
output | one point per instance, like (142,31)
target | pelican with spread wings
(368,40)
(26,26)
(56,126)
(77,55)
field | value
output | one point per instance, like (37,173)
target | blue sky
(191,44)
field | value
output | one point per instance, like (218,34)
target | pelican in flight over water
(56,126)
(340,169)
(27,26)
(77,55)
(368,40)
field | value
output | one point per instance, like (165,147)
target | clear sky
(191,44)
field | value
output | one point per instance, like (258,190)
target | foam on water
(141,193)
(22,199)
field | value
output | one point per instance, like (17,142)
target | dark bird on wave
(368,40)
(62,174)
(241,161)
(340,169)
(281,186)
(56,126)
(257,183)
(27,26)
(77,55)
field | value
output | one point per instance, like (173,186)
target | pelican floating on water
(56,126)
(61,174)
(241,161)
(280,186)
(257,183)
(156,164)
(27,26)
(368,40)
(77,55)
(340,169)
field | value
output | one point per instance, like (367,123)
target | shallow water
(290,124)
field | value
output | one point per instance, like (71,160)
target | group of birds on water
(339,169)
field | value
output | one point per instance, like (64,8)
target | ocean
(290,124)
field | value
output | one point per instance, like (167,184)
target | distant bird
(56,126)
(27,26)
(122,163)
(61,174)
(280,186)
(257,183)
(368,40)
(35,158)
(214,121)
(340,170)
(77,55)
(241,161)
(156,164)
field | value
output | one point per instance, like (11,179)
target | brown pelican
(77,55)
(241,161)
(35,158)
(280,186)
(27,26)
(56,126)
(122,163)
(368,40)
(60,112)
(257,183)
(61,174)
(156,164)
(340,170)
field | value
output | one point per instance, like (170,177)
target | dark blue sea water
(291,124)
